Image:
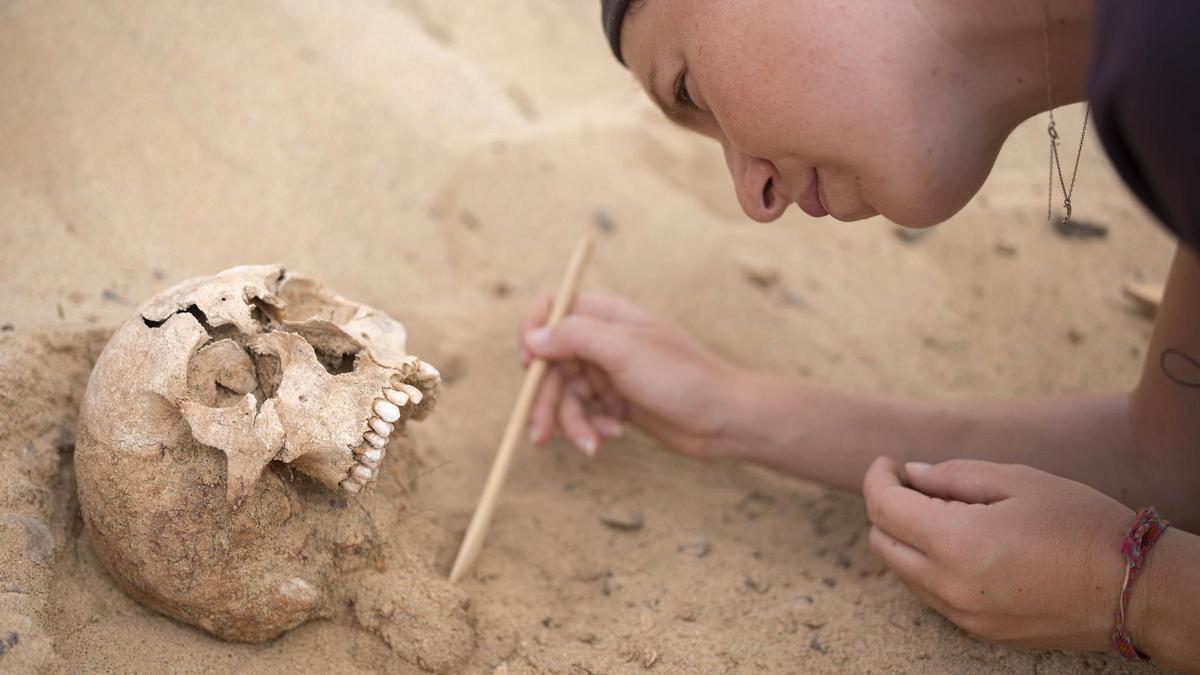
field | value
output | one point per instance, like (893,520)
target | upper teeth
(396,397)
(414,394)
(386,411)
(382,428)
(428,373)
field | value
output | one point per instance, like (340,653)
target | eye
(682,98)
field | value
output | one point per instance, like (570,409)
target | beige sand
(438,160)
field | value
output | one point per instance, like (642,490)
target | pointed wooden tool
(477,530)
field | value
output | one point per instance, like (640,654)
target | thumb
(964,480)
(602,343)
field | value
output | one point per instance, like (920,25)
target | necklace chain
(1052,131)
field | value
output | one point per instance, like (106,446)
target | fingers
(964,480)
(911,565)
(545,408)
(599,342)
(574,423)
(608,427)
(905,514)
(577,394)
(608,308)
(611,401)
(571,404)
(535,317)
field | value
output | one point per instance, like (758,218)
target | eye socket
(683,99)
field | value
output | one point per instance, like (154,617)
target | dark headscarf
(612,13)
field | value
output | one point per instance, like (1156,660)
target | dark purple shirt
(1144,87)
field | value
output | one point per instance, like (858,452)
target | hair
(612,15)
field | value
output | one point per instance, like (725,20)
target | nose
(757,184)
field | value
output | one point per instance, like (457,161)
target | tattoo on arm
(1180,368)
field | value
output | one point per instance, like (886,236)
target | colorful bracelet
(1147,527)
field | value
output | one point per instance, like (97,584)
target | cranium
(196,414)
(278,368)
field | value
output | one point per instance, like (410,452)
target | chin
(861,214)
(932,207)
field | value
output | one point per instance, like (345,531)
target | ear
(250,439)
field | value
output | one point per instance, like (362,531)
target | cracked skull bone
(261,366)
(278,368)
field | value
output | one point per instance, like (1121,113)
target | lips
(811,202)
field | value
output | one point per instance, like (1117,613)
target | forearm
(1165,605)
(832,436)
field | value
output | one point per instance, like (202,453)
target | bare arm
(1139,448)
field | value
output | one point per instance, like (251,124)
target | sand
(439,160)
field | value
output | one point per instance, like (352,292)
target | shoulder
(1144,87)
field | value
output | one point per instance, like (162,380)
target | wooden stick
(1148,295)
(477,530)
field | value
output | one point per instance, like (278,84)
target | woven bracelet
(1147,527)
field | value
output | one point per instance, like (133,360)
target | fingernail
(533,435)
(587,445)
(916,467)
(610,428)
(539,338)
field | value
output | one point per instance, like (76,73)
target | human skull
(195,415)
(267,365)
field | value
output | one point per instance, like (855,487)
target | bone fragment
(248,436)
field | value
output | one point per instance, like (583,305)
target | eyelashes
(683,99)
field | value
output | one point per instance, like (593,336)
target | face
(848,109)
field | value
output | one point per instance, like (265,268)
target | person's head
(866,98)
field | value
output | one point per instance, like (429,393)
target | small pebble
(40,541)
(909,235)
(626,519)
(112,296)
(761,275)
(603,218)
(1080,229)
(12,639)
(757,585)
(1005,250)
(699,547)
